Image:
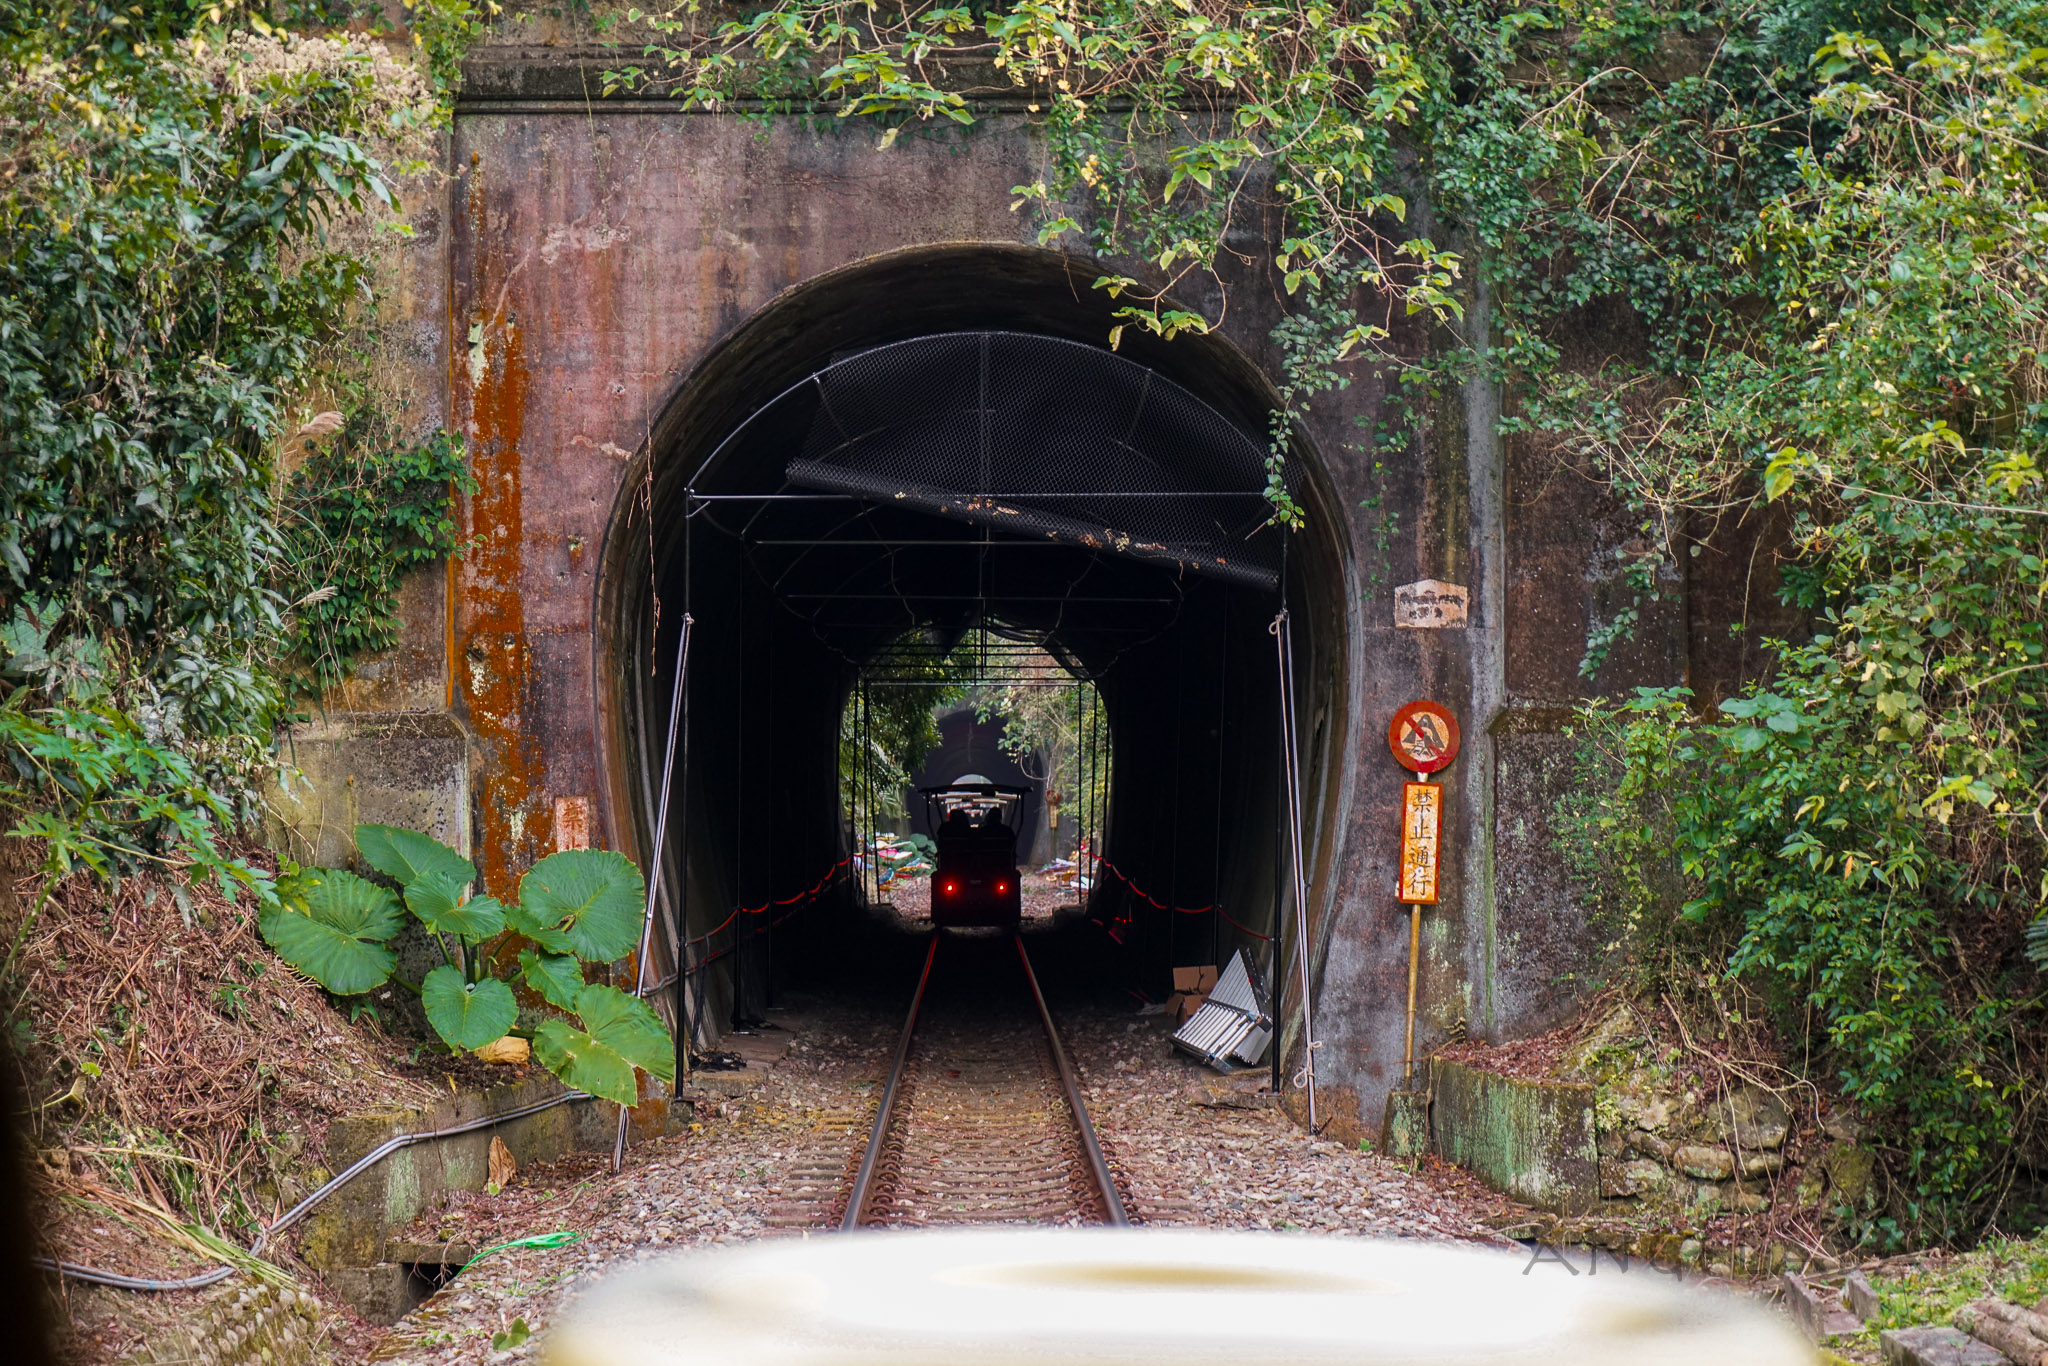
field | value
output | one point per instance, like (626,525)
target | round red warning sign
(1423,736)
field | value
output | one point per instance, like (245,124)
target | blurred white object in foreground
(1036,1298)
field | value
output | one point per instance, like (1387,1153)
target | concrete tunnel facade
(602,290)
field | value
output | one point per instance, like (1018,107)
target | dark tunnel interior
(914,459)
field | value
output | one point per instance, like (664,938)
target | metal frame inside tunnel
(1011,663)
(790,566)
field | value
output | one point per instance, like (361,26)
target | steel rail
(878,1137)
(1098,1165)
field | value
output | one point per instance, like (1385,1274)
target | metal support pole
(1216,835)
(871,873)
(1074,799)
(640,972)
(686,1016)
(1414,952)
(1179,747)
(1086,834)
(1276,977)
(768,862)
(1276,966)
(1082,846)
(1291,771)
(739,815)
(863,801)
(1414,968)
(1104,766)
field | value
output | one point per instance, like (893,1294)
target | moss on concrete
(1533,1140)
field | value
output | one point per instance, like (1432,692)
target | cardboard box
(1205,979)
(1189,1004)
(1173,1006)
(1187,979)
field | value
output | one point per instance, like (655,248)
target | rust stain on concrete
(495,670)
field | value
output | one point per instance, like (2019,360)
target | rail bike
(974,828)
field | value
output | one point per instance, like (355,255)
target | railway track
(981,1119)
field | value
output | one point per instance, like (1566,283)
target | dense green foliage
(1864,834)
(155,312)
(1766,263)
(363,510)
(575,907)
(188,223)
(885,731)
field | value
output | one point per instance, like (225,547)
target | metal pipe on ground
(95,1276)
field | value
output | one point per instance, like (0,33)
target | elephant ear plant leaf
(619,1033)
(333,926)
(407,856)
(576,907)
(556,976)
(592,897)
(526,921)
(438,903)
(467,1014)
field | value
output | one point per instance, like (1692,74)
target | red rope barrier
(803,897)
(1120,876)
(1264,938)
(716,928)
(807,895)
(1124,878)
(816,888)
(811,894)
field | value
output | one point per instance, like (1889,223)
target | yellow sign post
(1422,806)
(1424,739)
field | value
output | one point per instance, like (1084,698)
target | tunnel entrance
(944,450)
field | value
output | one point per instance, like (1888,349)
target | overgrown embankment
(209,481)
(178,1079)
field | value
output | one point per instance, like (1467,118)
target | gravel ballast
(1189,1147)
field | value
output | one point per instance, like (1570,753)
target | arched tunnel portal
(924,445)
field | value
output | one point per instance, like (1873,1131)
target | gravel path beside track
(1192,1149)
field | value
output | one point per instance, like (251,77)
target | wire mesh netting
(987,657)
(1041,437)
(1047,489)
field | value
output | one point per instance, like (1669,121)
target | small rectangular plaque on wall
(572,823)
(1422,806)
(1430,605)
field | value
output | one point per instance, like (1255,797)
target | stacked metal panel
(1232,1028)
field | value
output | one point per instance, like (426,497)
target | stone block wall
(259,1325)
(1533,1140)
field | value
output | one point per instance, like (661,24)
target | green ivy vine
(365,509)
